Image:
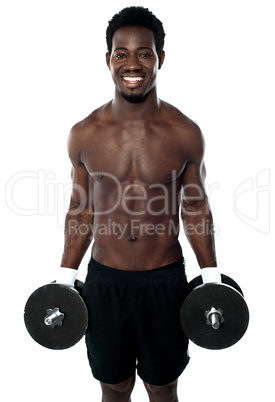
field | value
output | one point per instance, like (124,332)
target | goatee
(134,98)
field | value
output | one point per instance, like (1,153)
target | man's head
(136,16)
(135,40)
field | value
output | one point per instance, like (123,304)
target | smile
(133,79)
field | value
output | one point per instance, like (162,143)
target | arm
(195,210)
(78,222)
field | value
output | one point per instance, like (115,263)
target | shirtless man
(137,161)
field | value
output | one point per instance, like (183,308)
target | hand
(211,275)
(66,276)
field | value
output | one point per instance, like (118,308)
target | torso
(136,170)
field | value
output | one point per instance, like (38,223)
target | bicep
(81,185)
(193,178)
(193,192)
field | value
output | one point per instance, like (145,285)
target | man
(136,161)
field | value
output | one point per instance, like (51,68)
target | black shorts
(134,323)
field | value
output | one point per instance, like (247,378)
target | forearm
(78,237)
(199,229)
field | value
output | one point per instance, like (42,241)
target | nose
(132,63)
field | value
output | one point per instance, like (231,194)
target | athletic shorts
(134,323)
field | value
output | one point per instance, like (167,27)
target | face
(134,62)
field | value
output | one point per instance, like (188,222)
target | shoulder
(188,132)
(84,130)
(90,123)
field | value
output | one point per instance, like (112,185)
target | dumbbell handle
(54,317)
(215,320)
(214,317)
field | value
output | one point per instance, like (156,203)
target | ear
(161,59)
(108,59)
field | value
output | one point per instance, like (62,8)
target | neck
(122,109)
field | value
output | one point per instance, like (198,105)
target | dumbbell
(56,316)
(214,315)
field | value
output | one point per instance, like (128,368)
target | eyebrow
(139,48)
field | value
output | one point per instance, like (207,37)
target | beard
(139,98)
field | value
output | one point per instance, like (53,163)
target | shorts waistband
(162,274)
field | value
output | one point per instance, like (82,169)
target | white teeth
(133,79)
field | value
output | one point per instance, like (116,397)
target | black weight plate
(202,299)
(78,285)
(225,279)
(69,302)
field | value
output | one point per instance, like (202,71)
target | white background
(219,70)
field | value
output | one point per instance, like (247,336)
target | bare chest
(133,156)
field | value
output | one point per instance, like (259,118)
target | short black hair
(136,16)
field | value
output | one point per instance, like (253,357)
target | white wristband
(211,275)
(66,276)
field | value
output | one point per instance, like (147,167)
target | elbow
(195,208)
(81,213)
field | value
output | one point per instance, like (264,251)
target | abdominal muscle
(136,228)
(135,243)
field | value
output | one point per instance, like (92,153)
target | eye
(120,55)
(145,55)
